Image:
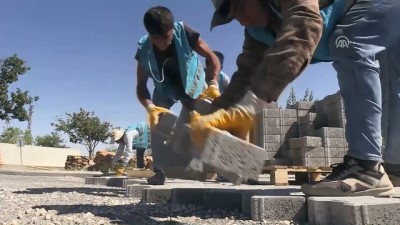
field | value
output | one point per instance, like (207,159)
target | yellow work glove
(212,92)
(154,114)
(119,170)
(237,120)
(194,116)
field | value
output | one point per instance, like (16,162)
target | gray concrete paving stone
(223,199)
(110,181)
(263,191)
(156,195)
(135,190)
(188,196)
(335,152)
(302,105)
(129,181)
(226,154)
(330,132)
(307,119)
(272,138)
(353,210)
(278,208)
(284,113)
(306,141)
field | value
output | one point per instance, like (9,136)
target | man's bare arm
(142,92)
(203,50)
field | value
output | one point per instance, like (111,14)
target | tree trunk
(30,112)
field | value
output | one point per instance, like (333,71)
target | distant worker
(135,137)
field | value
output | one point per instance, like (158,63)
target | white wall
(10,154)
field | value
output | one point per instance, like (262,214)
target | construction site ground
(34,195)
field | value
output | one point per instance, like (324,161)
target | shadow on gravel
(105,192)
(140,214)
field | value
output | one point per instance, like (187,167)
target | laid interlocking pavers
(278,208)
(111,181)
(353,210)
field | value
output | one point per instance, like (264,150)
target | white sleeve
(226,82)
(129,137)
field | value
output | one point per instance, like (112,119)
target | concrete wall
(10,154)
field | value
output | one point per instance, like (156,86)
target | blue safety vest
(191,70)
(143,139)
(221,82)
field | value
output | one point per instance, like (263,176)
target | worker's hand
(211,93)
(237,120)
(154,114)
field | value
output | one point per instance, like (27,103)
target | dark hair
(158,20)
(220,57)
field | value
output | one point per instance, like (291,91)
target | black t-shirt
(171,67)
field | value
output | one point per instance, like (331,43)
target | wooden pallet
(280,174)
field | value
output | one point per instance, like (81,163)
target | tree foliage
(13,105)
(50,140)
(27,137)
(11,135)
(308,96)
(84,128)
(292,98)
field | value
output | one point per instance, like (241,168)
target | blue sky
(81,54)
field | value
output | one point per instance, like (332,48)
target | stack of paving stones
(330,111)
(321,151)
(275,128)
(333,143)
(335,111)
(304,134)
(307,151)
(307,124)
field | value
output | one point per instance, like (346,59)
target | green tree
(291,99)
(13,105)
(27,136)
(30,111)
(308,96)
(50,140)
(84,128)
(12,134)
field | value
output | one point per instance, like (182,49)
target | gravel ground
(67,201)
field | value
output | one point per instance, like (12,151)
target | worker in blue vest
(168,55)
(282,37)
(135,137)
